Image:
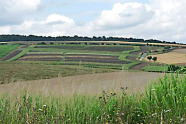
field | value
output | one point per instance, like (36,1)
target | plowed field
(90,48)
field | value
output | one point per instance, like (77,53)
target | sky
(148,19)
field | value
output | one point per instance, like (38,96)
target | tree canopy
(13,37)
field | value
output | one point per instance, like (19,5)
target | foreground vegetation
(163,102)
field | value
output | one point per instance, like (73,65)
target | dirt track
(86,84)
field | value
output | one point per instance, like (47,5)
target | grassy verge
(163,102)
(5,49)
(156,68)
(15,71)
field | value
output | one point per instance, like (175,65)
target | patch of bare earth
(90,84)
(41,59)
(139,66)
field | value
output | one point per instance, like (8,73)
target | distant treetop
(8,38)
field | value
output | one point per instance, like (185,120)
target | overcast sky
(157,19)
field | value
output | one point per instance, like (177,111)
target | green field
(18,71)
(115,50)
(10,73)
(5,49)
(156,68)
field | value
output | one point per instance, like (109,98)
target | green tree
(149,58)
(154,59)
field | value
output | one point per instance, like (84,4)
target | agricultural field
(68,83)
(177,57)
(5,49)
(98,55)
(120,57)
(106,58)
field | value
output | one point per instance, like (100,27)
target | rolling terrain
(78,83)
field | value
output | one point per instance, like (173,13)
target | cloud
(13,11)
(53,25)
(163,20)
(124,16)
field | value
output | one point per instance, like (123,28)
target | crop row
(90,48)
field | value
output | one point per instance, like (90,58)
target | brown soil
(42,55)
(139,66)
(113,60)
(41,59)
(91,55)
(91,48)
(12,54)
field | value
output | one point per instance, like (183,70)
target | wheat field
(86,84)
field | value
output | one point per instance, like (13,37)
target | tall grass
(162,102)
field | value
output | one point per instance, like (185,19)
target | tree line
(7,38)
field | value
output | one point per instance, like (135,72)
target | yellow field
(177,56)
(100,42)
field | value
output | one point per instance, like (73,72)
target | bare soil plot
(89,84)
(9,56)
(174,57)
(139,66)
(95,58)
(99,60)
(41,59)
(45,54)
(91,48)
(91,56)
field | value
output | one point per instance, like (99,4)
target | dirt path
(90,84)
